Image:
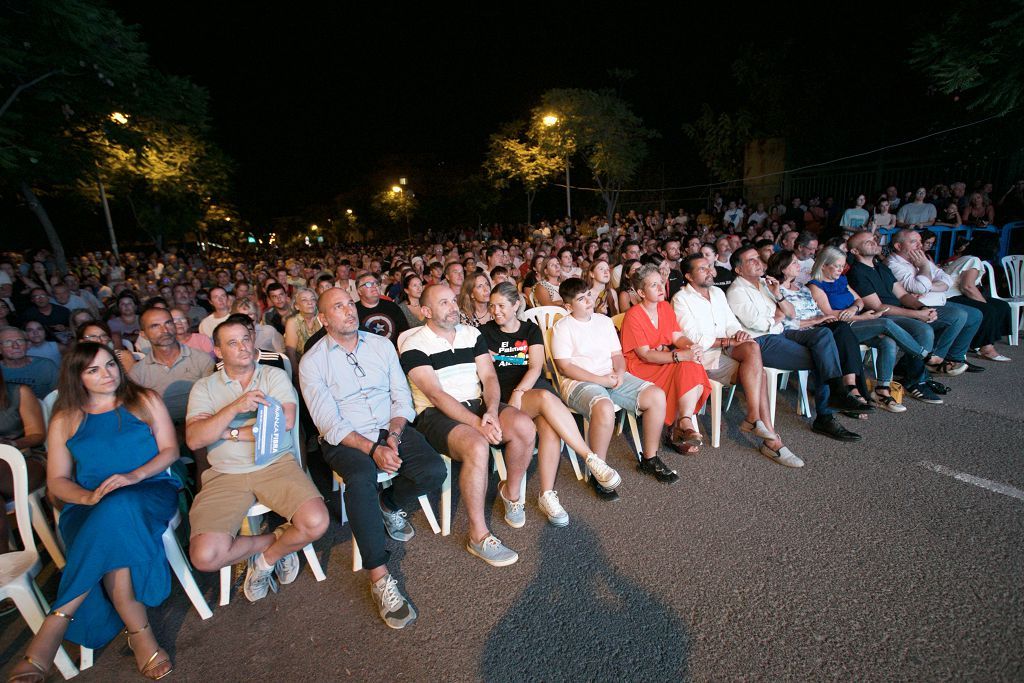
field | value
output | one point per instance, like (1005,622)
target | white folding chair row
(19,568)
(384,479)
(714,404)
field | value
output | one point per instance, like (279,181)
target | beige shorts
(224,498)
(725,373)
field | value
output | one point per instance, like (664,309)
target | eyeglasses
(354,362)
(96,337)
(369,285)
(9,343)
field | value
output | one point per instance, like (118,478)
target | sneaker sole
(558,523)
(612,484)
(933,401)
(514,525)
(398,538)
(493,563)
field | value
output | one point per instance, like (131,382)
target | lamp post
(551,120)
(397,190)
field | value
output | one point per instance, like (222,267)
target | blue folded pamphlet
(268,430)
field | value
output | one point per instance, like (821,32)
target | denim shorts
(584,395)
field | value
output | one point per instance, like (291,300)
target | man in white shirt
(731,356)
(955,324)
(806,248)
(760,308)
(221,310)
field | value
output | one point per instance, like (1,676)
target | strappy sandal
(36,676)
(151,664)
(690,437)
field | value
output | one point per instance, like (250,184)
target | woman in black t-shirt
(517,348)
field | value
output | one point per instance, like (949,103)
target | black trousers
(422,471)
(995,319)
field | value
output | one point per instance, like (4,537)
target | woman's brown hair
(72,396)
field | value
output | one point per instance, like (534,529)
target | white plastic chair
(544,316)
(19,567)
(258,510)
(774,374)
(383,478)
(37,515)
(1013,266)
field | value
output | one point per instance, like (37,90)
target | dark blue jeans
(811,349)
(422,471)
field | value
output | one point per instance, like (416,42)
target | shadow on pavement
(581,620)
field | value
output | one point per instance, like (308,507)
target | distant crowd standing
(395,357)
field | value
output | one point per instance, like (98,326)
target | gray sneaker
(258,583)
(397,523)
(605,475)
(549,505)
(492,551)
(515,511)
(287,568)
(394,607)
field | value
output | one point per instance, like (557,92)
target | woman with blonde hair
(301,326)
(473,300)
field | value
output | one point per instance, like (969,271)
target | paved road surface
(863,565)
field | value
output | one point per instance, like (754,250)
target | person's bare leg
(307,525)
(518,430)
(540,402)
(211,551)
(118,584)
(471,449)
(602,425)
(549,452)
(652,405)
(43,646)
(751,377)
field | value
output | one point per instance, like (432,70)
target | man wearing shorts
(730,355)
(221,414)
(593,378)
(446,364)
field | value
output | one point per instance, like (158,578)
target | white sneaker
(549,505)
(605,475)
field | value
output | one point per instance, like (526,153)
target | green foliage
(986,70)
(721,140)
(395,207)
(510,159)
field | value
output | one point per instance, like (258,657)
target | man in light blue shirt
(360,400)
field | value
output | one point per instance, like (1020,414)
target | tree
(599,127)
(510,159)
(65,67)
(721,140)
(987,71)
(396,206)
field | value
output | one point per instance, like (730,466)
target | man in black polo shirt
(877,286)
(377,315)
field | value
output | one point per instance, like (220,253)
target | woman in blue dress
(109,445)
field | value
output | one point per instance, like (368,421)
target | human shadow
(579,619)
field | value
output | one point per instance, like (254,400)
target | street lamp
(397,189)
(551,120)
(348,211)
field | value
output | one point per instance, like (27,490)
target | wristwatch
(234,434)
(398,437)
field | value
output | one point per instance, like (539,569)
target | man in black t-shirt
(376,315)
(54,318)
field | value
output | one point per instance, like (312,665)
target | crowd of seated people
(402,355)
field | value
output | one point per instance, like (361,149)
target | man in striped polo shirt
(457,399)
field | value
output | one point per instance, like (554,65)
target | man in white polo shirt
(446,363)
(221,413)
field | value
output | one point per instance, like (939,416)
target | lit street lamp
(549,121)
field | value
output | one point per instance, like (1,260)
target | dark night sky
(309,100)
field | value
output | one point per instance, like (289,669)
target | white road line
(995,486)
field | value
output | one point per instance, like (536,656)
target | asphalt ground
(863,565)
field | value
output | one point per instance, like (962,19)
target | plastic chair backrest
(47,404)
(545,316)
(402,337)
(987,267)
(1013,266)
(548,334)
(617,321)
(19,479)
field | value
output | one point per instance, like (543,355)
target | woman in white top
(881,217)
(967,273)
(546,291)
(856,216)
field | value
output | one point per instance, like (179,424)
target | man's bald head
(330,297)
(431,293)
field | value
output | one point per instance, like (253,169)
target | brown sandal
(690,437)
(151,664)
(36,676)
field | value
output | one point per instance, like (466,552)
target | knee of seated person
(523,426)
(476,452)
(362,471)
(603,410)
(433,475)
(652,397)
(204,553)
(311,520)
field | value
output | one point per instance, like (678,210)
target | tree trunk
(106,215)
(44,219)
(529,207)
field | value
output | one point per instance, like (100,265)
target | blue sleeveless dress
(123,530)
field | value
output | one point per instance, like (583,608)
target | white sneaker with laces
(605,475)
(549,505)
(394,608)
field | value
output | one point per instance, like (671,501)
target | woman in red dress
(656,350)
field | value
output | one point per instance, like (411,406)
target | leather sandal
(149,668)
(691,437)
